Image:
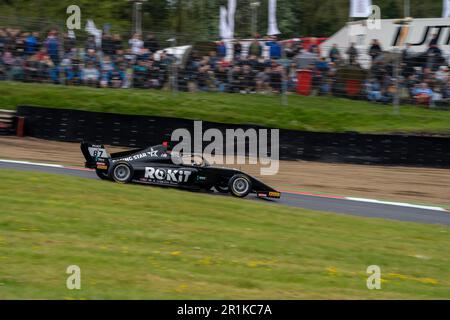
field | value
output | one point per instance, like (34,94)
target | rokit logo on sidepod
(169,175)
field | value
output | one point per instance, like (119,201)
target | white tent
(420,33)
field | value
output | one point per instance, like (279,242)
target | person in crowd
(237,47)
(106,67)
(275,49)
(255,63)
(249,84)
(334,54)
(441,75)
(136,44)
(90,44)
(90,75)
(213,59)
(107,44)
(373,89)
(72,70)
(290,50)
(434,40)
(446,89)
(117,45)
(434,57)
(407,52)
(322,64)
(20,45)
(52,46)
(255,48)
(276,77)
(205,78)
(151,43)
(305,58)
(375,49)
(236,79)
(221,77)
(69,42)
(46,66)
(117,76)
(221,49)
(12,66)
(158,74)
(352,53)
(91,56)
(32,43)
(422,94)
(141,74)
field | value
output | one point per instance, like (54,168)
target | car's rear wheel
(122,172)
(240,185)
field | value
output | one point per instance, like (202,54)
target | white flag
(446,11)
(231,13)
(226,24)
(223,24)
(360,8)
(273,28)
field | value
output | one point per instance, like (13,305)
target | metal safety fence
(42,51)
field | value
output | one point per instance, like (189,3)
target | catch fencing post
(397,81)
(173,67)
(284,98)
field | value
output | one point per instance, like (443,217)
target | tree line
(199,19)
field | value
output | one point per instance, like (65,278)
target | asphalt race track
(342,206)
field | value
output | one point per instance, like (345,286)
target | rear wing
(94,153)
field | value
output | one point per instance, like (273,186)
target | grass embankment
(140,242)
(327,114)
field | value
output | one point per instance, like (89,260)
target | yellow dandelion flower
(181,288)
(206,261)
(332,271)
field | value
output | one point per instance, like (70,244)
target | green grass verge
(327,114)
(140,242)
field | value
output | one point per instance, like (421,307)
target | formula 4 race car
(156,166)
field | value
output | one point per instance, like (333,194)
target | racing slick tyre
(102,174)
(240,185)
(121,172)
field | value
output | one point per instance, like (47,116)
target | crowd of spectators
(139,63)
(420,78)
(263,66)
(252,72)
(29,57)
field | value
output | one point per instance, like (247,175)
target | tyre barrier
(138,131)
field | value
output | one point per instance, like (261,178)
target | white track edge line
(400,204)
(32,163)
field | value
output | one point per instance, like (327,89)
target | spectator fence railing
(170,61)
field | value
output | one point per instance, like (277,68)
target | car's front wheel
(240,186)
(121,172)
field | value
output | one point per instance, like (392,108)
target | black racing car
(155,166)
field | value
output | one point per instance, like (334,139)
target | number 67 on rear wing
(94,153)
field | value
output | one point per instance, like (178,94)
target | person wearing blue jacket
(275,49)
(52,45)
(32,43)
